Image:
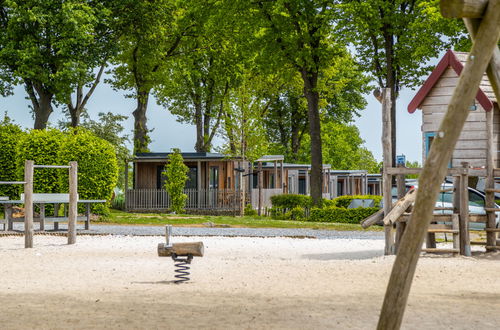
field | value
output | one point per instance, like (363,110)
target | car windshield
(475,199)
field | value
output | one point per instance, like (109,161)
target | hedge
(97,166)
(341,215)
(289,201)
(10,135)
(345,201)
(42,147)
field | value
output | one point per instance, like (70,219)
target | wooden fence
(197,199)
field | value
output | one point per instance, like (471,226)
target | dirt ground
(241,283)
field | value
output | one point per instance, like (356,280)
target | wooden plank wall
(471,146)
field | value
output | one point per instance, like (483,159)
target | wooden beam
(435,168)
(373,219)
(73,202)
(28,204)
(261,183)
(463,8)
(387,162)
(196,249)
(401,206)
(464,214)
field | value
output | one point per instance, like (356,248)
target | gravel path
(138,230)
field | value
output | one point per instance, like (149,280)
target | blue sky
(168,133)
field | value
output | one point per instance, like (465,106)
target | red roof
(456,61)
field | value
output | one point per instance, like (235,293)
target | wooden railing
(202,199)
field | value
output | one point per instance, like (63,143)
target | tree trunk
(141,138)
(310,83)
(198,120)
(41,100)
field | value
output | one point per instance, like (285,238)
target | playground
(120,282)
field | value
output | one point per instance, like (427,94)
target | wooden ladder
(443,229)
(492,243)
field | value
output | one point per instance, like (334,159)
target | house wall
(146,173)
(472,143)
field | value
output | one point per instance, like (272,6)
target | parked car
(477,202)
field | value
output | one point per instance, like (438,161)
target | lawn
(124,218)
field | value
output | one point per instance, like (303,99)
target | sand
(112,282)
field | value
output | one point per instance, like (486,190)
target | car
(477,202)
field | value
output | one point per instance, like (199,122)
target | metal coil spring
(182,268)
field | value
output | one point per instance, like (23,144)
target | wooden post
(126,186)
(493,72)
(464,212)
(275,174)
(282,179)
(463,8)
(73,202)
(42,216)
(261,183)
(198,182)
(435,168)
(28,204)
(387,178)
(400,226)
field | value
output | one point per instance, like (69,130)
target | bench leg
(42,217)
(56,213)
(8,216)
(87,216)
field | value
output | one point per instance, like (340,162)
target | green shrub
(297,213)
(41,146)
(10,135)
(176,173)
(249,210)
(344,201)
(289,201)
(97,167)
(341,215)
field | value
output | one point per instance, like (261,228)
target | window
(271,180)
(192,181)
(214,177)
(475,199)
(428,139)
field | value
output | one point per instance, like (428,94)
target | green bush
(97,167)
(41,146)
(249,210)
(10,135)
(176,173)
(289,201)
(297,213)
(341,215)
(344,201)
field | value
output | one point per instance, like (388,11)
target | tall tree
(301,35)
(395,39)
(197,83)
(45,46)
(151,32)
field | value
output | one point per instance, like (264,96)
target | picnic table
(42,200)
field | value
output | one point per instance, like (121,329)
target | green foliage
(341,215)
(42,146)
(250,211)
(10,135)
(414,164)
(297,213)
(345,201)
(176,174)
(97,166)
(290,201)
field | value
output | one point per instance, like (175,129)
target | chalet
(433,99)
(215,181)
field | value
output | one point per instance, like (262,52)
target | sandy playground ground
(241,283)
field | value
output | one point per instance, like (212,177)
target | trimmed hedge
(97,167)
(344,201)
(289,201)
(341,215)
(10,135)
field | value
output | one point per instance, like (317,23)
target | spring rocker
(181,253)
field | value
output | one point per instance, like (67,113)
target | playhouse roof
(456,60)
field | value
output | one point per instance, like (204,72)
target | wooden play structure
(181,253)
(29,199)
(482,19)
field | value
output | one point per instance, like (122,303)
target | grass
(124,218)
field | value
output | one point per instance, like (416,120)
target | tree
(108,127)
(395,40)
(47,46)
(176,174)
(151,33)
(301,35)
(343,148)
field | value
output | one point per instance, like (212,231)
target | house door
(302,186)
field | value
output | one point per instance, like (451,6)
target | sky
(168,133)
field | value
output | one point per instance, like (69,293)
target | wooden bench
(42,199)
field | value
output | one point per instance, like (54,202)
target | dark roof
(457,61)
(186,155)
